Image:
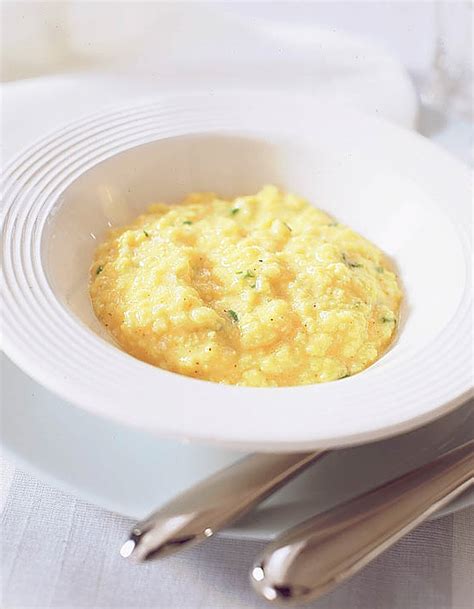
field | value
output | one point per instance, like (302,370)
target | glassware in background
(449,85)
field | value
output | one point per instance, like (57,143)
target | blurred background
(353,46)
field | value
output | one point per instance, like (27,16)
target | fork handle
(214,503)
(318,554)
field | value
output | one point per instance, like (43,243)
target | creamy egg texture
(262,290)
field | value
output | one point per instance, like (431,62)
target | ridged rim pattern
(54,347)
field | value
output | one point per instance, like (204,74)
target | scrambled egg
(264,290)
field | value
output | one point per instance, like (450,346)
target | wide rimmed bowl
(413,200)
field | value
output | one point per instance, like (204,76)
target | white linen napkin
(94,56)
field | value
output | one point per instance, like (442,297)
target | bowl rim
(34,180)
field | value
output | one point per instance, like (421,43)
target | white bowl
(396,188)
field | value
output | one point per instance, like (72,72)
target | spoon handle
(214,503)
(318,554)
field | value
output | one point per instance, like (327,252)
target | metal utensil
(318,554)
(214,503)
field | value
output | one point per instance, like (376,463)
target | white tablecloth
(60,552)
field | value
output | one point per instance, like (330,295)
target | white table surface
(62,552)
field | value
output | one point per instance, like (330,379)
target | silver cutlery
(214,503)
(315,556)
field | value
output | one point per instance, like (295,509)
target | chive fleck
(233,315)
(352,265)
(343,377)
(238,272)
(234,210)
(187,222)
(99,269)
(333,224)
(386,320)
(249,274)
(147,234)
(253,285)
(288,226)
(379,269)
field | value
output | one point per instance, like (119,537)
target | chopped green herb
(99,269)
(288,226)
(248,274)
(253,285)
(343,377)
(387,320)
(352,265)
(238,272)
(333,224)
(234,210)
(233,315)
(187,222)
(379,269)
(146,233)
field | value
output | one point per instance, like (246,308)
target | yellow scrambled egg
(264,290)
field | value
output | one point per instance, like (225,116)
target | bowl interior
(382,202)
